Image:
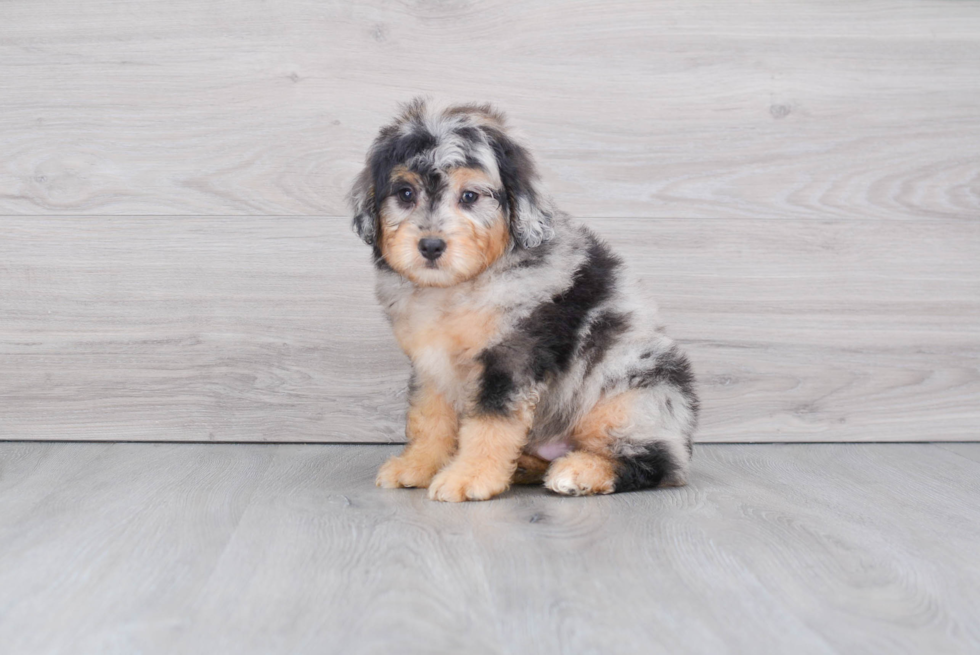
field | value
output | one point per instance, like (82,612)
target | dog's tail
(650,465)
(658,451)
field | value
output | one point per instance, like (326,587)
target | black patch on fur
(360,224)
(501,197)
(470,134)
(496,384)
(473,162)
(379,261)
(602,333)
(391,150)
(646,469)
(413,384)
(435,185)
(514,162)
(388,150)
(671,368)
(554,327)
(473,141)
(517,171)
(545,341)
(534,257)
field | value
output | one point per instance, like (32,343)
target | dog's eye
(406,195)
(469,197)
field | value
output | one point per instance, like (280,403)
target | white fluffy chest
(443,334)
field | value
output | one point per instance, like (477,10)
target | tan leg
(530,469)
(591,468)
(431,431)
(489,447)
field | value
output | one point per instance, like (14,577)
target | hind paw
(581,474)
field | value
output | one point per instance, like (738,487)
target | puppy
(531,359)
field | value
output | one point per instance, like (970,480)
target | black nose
(432,249)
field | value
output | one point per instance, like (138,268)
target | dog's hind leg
(591,467)
(637,439)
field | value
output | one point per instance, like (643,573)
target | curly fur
(524,335)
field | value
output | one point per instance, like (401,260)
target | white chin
(433,277)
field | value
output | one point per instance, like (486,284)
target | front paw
(401,471)
(457,484)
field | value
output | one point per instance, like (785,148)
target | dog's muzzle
(432,249)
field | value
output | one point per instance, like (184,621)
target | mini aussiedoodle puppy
(531,358)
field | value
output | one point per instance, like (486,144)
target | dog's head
(446,193)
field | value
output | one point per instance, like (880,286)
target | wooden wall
(797,184)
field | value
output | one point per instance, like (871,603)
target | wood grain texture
(968,450)
(266,329)
(789,110)
(121,548)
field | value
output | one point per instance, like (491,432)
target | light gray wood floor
(221,548)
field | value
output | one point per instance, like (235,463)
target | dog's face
(442,227)
(446,193)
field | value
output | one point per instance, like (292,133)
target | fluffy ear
(361,200)
(530,215)
(530,223)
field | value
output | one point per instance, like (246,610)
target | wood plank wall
(797,184)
